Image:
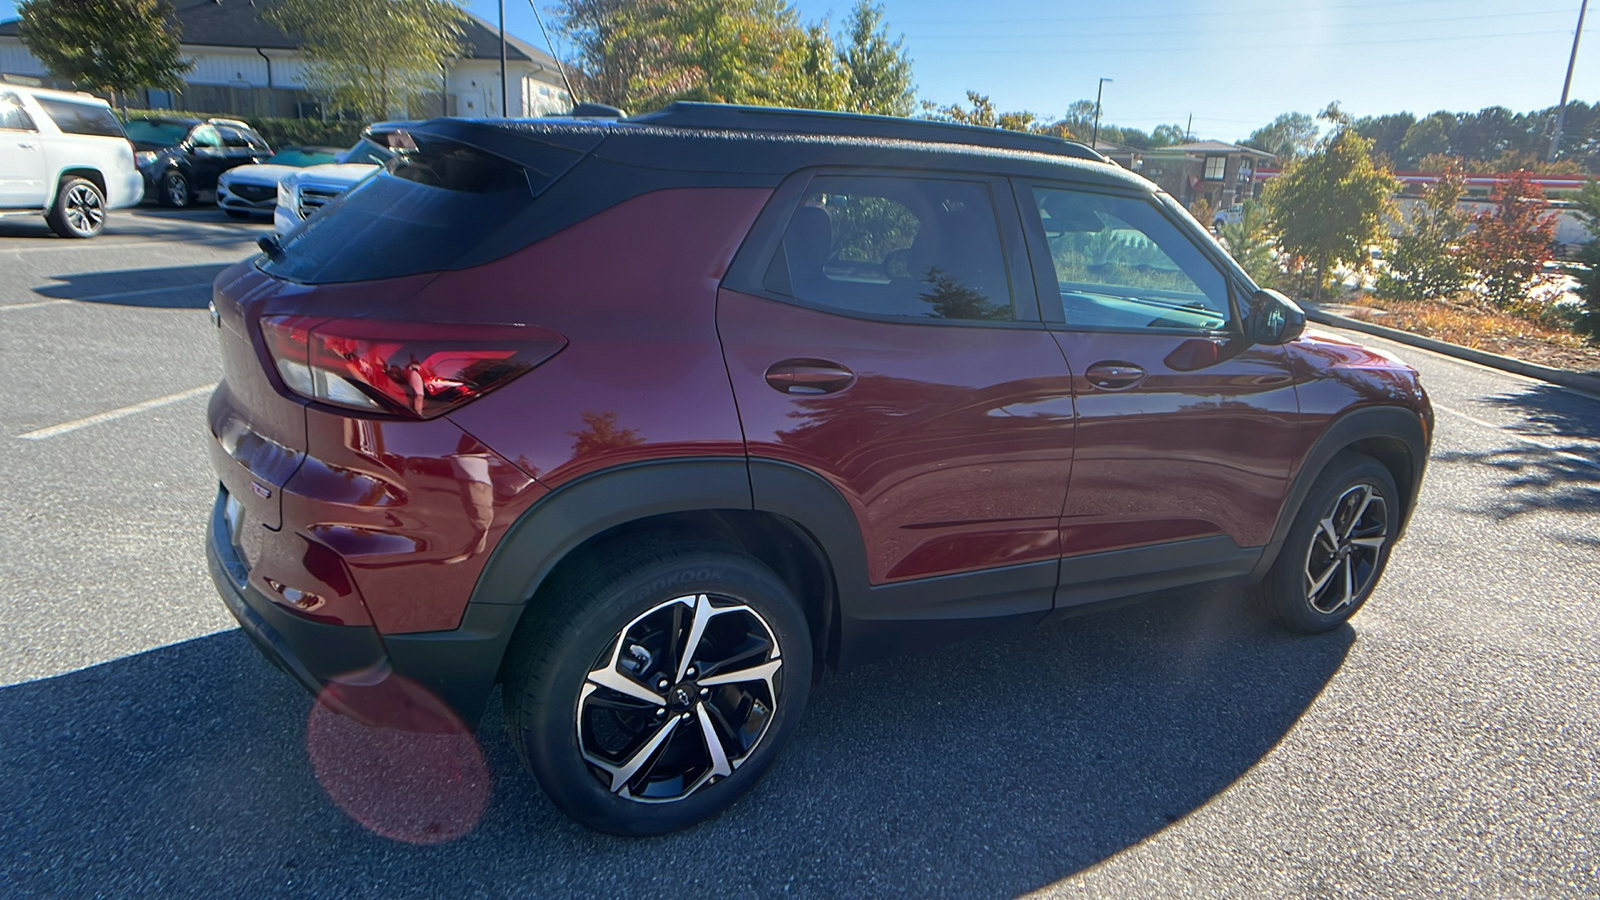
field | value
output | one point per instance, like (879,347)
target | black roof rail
(725,117)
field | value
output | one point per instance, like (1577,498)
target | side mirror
(1272,318)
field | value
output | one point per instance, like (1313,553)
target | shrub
(1512,242)
(1426,261)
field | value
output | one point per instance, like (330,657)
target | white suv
(64,156)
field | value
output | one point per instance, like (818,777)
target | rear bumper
(460,667)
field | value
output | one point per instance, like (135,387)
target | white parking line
(1517,437)
(34,305)
(113,414)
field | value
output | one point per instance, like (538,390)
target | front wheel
(657,685)
(1337,547)
(79,210)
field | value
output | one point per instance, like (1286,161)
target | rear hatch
(450,200)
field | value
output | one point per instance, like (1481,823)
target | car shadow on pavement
(206,225)
(986,769)
(173,287)
(1562,471)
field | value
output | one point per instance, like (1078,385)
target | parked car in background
(649,419)
(249,191)
(63,156)
(182,157)
(1227,216)
(304,192)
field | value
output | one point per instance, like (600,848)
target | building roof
(238,23)
(1213,147)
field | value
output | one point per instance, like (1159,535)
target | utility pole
(504,104)
(1097,92)
(1188,130)
(1566,88)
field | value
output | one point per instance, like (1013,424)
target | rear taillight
(404,368)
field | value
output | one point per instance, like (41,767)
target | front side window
(1121,264)
(905,247)
(233,140)
(206,136)
(81,118)
(12,116)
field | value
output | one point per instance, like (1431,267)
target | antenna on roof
(548,43)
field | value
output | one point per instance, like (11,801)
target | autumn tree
(115,46)
(1427,260)
(1511,242)
(370,56)
(879,69)
(1328,207)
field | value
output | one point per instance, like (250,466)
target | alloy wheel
(85,213)
(177,188)
(1346,548)
(680,699)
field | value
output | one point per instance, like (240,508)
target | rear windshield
(81,118)
(366,151)
(161,134)
(302,157)
(429,208)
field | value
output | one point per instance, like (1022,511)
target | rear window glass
(160,134)
(426,210)
(302,157)
(81,118)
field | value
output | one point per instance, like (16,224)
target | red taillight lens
(413,369)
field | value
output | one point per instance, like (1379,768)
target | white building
(245,66)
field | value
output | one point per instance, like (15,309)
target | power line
(1087,51)
(1231,32)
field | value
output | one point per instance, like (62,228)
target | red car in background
(652,419)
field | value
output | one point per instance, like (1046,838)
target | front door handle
(809,376)
(1114,376)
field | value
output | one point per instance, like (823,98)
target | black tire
(237,213)
(79,210)
(595,620)
(173,190)
(1348,555)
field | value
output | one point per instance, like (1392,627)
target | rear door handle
(1114,376)
(809,376)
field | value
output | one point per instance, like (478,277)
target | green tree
(109,45)
(1588,272)
(1511,243)
(369,57)
(1329,206)
(644,54)
(1290,136)
(1427,261)
(984,114)
(879,69)
(1250,243)
(1427,136)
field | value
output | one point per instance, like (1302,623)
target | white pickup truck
(64,156)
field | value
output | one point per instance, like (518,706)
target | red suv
(651,419)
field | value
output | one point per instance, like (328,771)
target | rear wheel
(657,685)
(1336,549)
(175,190)
(80,209)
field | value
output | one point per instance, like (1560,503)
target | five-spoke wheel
(1336,548)
(652,687)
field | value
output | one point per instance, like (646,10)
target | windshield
(162,134)
(300,157)
(365,151)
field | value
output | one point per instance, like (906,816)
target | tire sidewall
(1287,584)
(550,733)
(166,193)
(59,222)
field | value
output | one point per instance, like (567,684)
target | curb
(1578,380)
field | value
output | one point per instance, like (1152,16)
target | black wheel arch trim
(1369,423)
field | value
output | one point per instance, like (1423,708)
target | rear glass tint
(160,134)
(81,118)
(427,210)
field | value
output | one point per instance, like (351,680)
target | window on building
(1216,167)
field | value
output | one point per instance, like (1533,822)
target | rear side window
(81,118)
(12,116)
(428,209)
(906,247)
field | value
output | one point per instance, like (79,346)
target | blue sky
(1233,64)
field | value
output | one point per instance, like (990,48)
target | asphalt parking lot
(1447,741)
